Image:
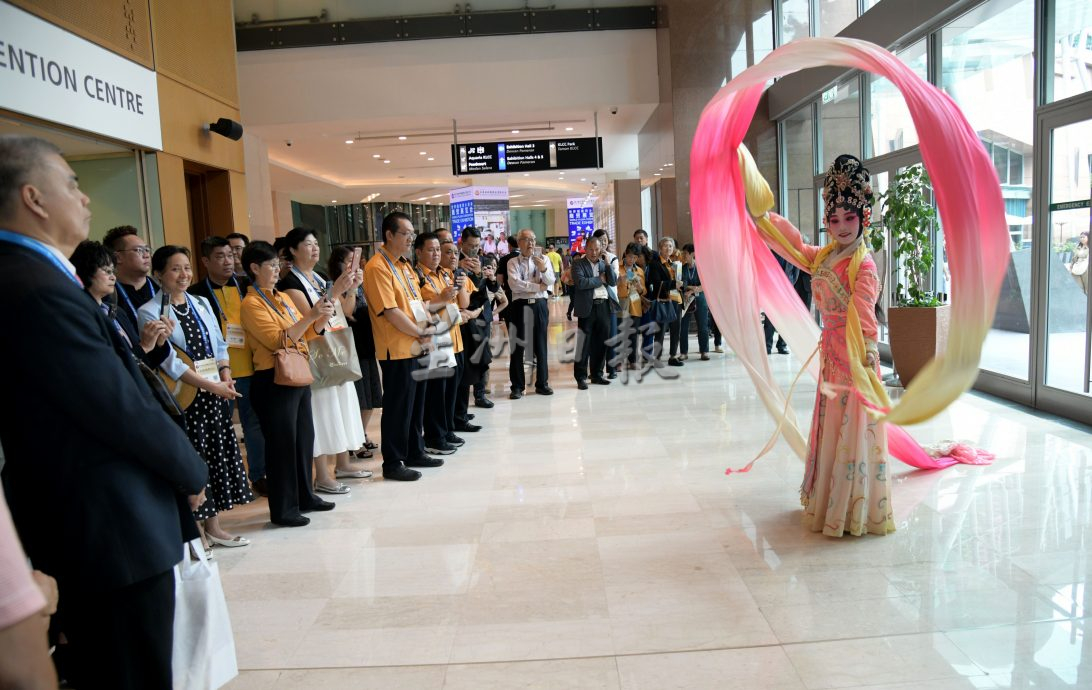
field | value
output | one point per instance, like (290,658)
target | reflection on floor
(591,540)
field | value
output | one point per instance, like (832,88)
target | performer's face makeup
(844,225)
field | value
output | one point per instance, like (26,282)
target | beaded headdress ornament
(848,184)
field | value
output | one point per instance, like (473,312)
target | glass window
(795,20)
(835,15)
(1072,48)
(840,122)
(890,126)
(987,68)
(798,143)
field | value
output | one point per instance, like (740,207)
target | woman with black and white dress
(208,418)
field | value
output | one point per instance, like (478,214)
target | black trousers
(594,332)
(451,399)
(403,418)
(284,413)
(468,376)
(121,639)
(769,330)
(436,394)
(529,323)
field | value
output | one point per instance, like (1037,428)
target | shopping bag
(203,655)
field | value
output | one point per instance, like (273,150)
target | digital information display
(462,215)
(526,156)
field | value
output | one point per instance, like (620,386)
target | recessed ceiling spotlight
(348,141)
(526,174)
(333,201)
(583,179)
(668,165)
(515,131)
(401,138)
(431,158)
(422,153)
(657,174)
(386,161)
(568,129)
(377,155)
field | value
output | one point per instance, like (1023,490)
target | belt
(597,300)
(528,300)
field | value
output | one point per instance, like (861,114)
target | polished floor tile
(590,539)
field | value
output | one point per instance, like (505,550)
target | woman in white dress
(336,409)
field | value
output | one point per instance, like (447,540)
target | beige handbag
(291,366)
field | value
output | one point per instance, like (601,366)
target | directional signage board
(526,156)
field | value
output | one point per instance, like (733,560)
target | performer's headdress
(847,185)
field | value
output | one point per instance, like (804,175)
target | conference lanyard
(120,289)
(40,249)
(212,291)
(205,337)
(291,314)
(318,292)
(411,293)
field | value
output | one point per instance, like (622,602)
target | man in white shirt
(530,278)
(612,261)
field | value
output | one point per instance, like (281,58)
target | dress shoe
(600,381)
(469,417)
(425,461)
(401,474)
(292,521)
(582,384)
(455,440)
(612,375)
(319,505)
(260,487)
(544,390)
(439,448)
(484,403)
(233,543)
(515,395)
(467,428)
(782,350)
(674,362)
(719,350)
(704,357)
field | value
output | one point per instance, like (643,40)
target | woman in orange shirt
(284,412)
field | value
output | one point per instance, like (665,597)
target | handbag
(203,653)
(290,366)
(663,311)
(333,358)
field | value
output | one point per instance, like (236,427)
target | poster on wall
(581,222)
(485,208)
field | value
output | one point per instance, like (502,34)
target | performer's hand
(871,360)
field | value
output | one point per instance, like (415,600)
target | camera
(288,142)
(613,111)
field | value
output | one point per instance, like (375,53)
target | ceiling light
(376,155)
(431,158)
(515,131)
(568,129)
(583,179)
(386,161)
(515,196)
(668,165)
(348,141)
(333,201)
(422,153)
(402,138)
(526,174)
(657,174)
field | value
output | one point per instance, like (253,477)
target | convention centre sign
(526,156)
(51,74)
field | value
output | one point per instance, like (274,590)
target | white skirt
(336,411)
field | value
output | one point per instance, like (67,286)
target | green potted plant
(917,321)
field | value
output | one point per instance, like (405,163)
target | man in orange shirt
(393,293)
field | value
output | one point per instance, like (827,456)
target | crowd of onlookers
(132,370)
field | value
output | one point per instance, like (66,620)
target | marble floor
(591,540)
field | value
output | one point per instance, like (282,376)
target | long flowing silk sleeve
(797,247)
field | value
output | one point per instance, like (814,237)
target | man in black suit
(791,272)
(97,474)
(593,303)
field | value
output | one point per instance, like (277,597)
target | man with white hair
(530,277)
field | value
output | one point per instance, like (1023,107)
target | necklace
(182,311)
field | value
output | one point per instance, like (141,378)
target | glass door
(1064,328)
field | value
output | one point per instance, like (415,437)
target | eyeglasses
(405,233)
(143,251)
(108,271)
(274,264)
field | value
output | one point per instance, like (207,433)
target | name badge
(235,336)
(206,369)
(338,321)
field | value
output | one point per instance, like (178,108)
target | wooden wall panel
(240,207)
(182,112)
(195,44)
(123,26)
(172,193)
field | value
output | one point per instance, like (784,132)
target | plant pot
(917,335)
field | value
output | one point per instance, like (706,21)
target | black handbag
(663,311)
